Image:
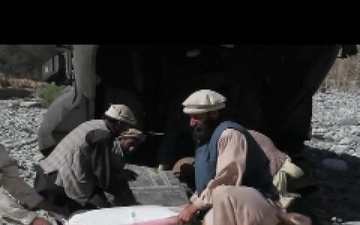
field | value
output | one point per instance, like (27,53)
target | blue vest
(257,172)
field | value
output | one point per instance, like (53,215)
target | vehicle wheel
(186,171)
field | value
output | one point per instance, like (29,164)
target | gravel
(336,136)
(19,127)
(333,158)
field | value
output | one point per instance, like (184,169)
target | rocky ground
(19,124)
(336,135)
(333,158)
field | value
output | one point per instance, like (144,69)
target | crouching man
(77,173)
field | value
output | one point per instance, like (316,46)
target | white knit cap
(122,113)
(203,101)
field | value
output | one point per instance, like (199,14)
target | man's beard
(202,133)
(126,153)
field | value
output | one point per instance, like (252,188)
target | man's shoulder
(94,122)
(231,132)
(228,124)
(89,125)
(96,136)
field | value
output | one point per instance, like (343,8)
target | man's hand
(39,221)
(48,206)
(127,175)
(100,201)
(293,219)
(184,206)
(187,214)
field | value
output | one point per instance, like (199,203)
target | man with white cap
(280,167)
(77,172)
(232,173)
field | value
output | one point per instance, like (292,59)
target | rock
(347,141)
(329,135)
(319,133)
(348,121)
(340,148)
(30,104)
(355,130)
(9,93)
(335,164)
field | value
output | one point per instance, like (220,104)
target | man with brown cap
(77,172)
(230,168)
(127,143)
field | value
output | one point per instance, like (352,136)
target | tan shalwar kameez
(230,197)
(17,187)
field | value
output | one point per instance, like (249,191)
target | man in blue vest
(232,173)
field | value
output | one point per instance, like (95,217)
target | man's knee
(224,193)
(221,192)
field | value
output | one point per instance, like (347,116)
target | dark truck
(269,88)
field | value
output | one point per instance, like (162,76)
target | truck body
(269,88)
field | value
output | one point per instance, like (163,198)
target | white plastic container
(130,215)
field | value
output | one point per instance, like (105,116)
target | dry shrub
(20,83)
(4,82)
(48,93)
